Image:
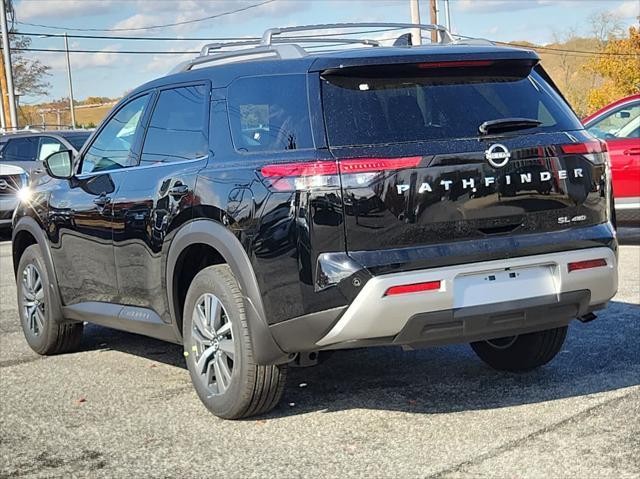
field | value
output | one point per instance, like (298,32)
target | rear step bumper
(477,301)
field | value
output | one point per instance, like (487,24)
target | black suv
(266,203)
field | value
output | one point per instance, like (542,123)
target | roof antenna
(403,41)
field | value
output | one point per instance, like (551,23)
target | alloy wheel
(33,300)
(213,344)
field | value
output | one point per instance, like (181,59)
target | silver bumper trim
(373,315)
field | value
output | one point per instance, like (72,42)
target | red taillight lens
(465,63)
(594,146)
(412,288)
(588,264)
(301,175)
(310,168)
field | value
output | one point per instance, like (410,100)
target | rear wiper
(507,124)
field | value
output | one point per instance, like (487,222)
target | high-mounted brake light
(588,264)
(464,63)
(594,146)
(299,175)
(413,288)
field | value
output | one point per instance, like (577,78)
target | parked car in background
(619,125)
(12,180)
(28,149)
(21,156)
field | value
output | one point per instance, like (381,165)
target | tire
(220,358)
(521,353)
(44,334)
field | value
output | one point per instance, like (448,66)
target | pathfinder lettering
(470,183)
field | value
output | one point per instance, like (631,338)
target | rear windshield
(419,102)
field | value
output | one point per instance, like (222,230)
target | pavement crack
(521,440)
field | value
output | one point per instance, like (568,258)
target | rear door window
(21,149)
(270,113)
(409,103)
(178,128)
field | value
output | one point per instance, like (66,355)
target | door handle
(632,151)
(178,190)
(102,201)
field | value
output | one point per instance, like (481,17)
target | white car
(12,180)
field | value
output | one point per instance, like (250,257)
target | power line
(124,52)
(210,17)
(201,39)
(139,52)
(536,47)
(586,52)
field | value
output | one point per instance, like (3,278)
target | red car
(619,125)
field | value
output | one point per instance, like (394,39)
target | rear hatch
(442,151)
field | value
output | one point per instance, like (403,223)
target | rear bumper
(462,310)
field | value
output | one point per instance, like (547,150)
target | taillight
(413,288)
(304,175)
(594,146)
(588,264)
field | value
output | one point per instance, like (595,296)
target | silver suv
(21,156)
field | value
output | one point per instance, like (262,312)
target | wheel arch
(28,232)
(231,251)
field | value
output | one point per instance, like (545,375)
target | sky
(109,74)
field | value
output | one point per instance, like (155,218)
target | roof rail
(444,35)
(271,44)
(206,49)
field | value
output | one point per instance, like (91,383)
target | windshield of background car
(77,140)
(426,101)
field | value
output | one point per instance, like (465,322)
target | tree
(29,76)
(619,65)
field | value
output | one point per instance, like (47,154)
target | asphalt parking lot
(124,406)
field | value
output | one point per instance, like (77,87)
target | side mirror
(60,164)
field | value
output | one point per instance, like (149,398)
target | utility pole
(7,64)
(71,107)
(416,33)
(433,11)
(447,14)
(3,123)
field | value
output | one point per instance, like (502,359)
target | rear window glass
(417,103)
(270,113)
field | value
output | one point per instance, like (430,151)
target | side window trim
(152,107)
(152,94)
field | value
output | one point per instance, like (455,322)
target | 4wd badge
(497,155)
